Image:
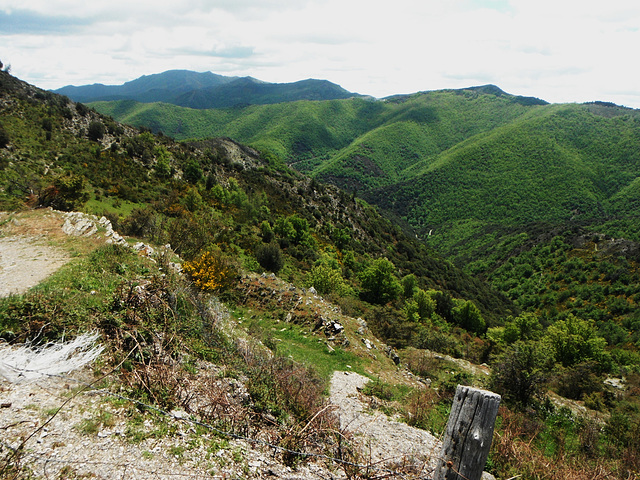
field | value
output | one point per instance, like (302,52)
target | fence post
(468,436)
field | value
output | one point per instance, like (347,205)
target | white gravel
(25,262)
(388,441)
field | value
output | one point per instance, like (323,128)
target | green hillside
(415,131)
(537,205)
(565,164)
(323,137)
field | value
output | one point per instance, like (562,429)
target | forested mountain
(160,87)
(435,158)
(493,181)
(536,204)
(206,90)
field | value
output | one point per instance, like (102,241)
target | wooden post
(468,436)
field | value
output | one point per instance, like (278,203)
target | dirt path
(387,441)
(25,261)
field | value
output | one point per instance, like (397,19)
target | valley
(422,241)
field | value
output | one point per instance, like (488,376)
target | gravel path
(73,444)
(388,441)
(25,262)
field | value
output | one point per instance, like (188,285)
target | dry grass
(514,455)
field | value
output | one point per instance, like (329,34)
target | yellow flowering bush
(211,272)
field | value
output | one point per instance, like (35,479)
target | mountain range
(450,157)
(536,207)
(206,90)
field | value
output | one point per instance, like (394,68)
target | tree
(96,131)
(192,172)
(379,282)
(574,341)
(266,231)
(269,257)
(521,372)
(426,304)
(163,167)
(468,316)
(409,285)
(524,327)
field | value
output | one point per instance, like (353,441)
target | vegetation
(546,293)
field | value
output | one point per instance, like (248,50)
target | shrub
(327,280)
(96,131)
(520,373)
(269,257)
(67,192)
(211,271)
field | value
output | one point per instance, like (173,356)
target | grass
(70,299)
(112,205)
(297,342)
(93,424)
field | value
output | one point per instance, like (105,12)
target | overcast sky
(558,50)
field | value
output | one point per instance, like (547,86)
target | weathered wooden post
(468,436)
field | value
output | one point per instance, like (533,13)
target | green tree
(163,167)
(96,131)
(266,231)
(468,316)
(301,228)
(575,341)
(270,257)
(192,172)
(524,327)
(409,285)
(294,229)
(284,229)
(520,373)
(379,282)
(341,237)
(411,311)
(426,304)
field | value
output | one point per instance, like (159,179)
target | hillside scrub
(560,317)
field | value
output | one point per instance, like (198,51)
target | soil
(25,261)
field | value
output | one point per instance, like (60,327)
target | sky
(557,50)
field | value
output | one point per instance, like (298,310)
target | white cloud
(550,49)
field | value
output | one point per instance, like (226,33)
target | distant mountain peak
(206,90)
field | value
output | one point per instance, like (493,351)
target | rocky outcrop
(82,224)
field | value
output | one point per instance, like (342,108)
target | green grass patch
(297,342)
(113,205)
